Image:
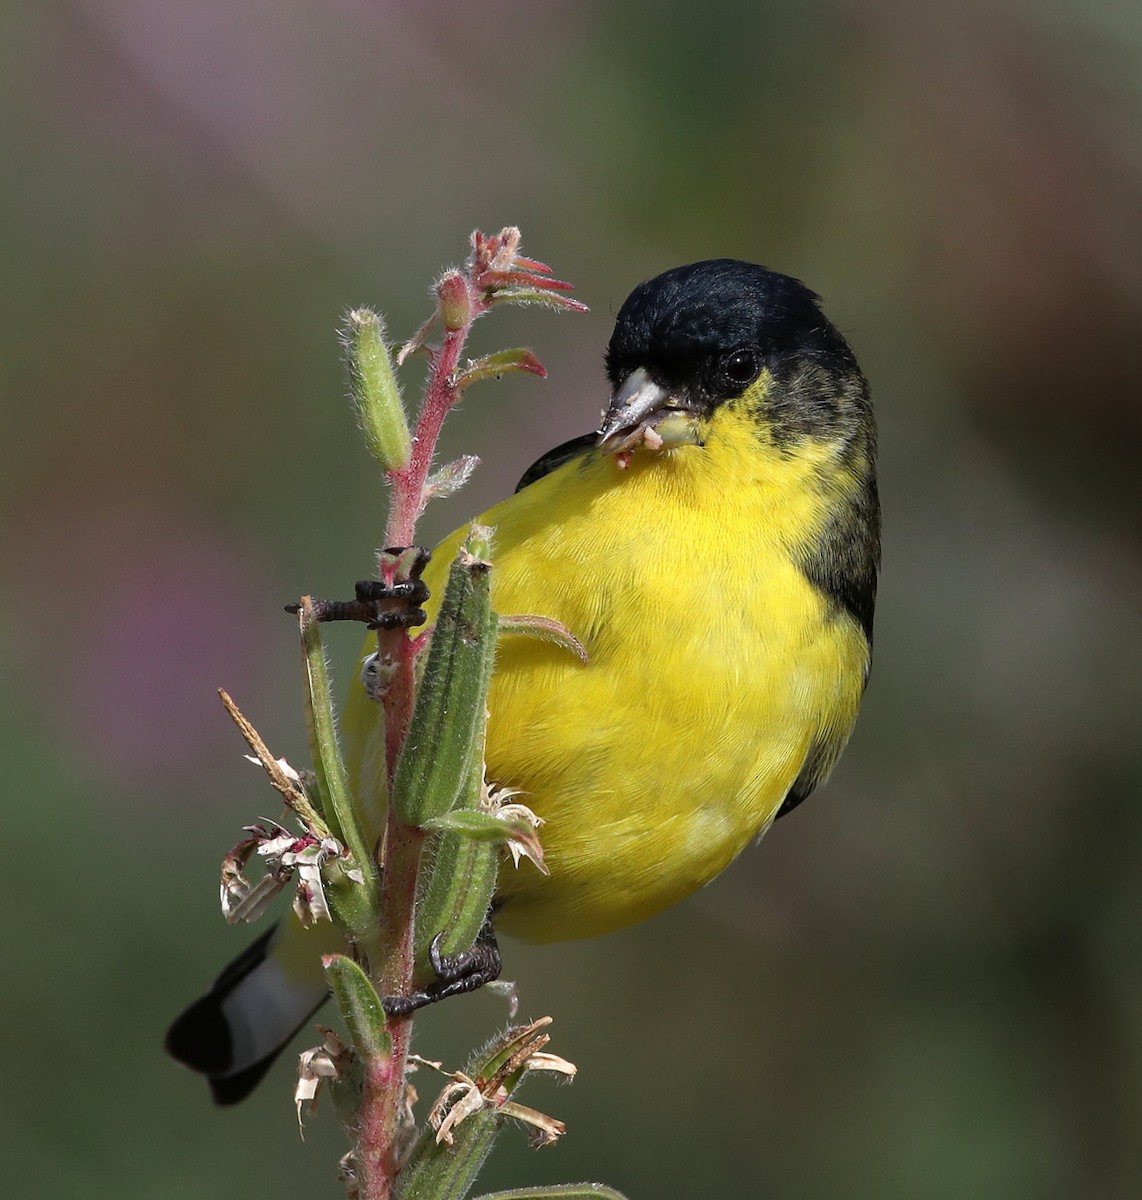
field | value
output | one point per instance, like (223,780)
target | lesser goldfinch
(715,547)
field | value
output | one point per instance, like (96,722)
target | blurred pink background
(927,981)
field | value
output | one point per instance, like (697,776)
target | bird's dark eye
(741,367)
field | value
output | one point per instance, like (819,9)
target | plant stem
(495,272)
(376,1172)
(408,482)
(395,952)
(407,488)
(402,865)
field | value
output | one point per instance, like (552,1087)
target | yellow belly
(714,666)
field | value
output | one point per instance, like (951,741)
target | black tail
(233,1034)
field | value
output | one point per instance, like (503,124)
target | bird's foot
(380,605)
(463,972)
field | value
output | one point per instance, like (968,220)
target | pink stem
(408,483)
(383,1089)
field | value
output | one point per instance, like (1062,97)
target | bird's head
(726,336)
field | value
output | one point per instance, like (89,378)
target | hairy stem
(395,953)
(494,273)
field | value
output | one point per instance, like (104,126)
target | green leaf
(461,874)
(522,295)
(566,1191)
(506,1056)
(546,629)
(438,1171)
(329,766)
(376,393)
(492,366)
(359,1005)
(347,901)
(448,718)
(480,826)
(505,828)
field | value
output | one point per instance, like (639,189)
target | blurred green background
(927,982)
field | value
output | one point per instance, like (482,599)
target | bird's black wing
(820,760)
(556,458)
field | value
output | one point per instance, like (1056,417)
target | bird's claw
(376,603)
(455,974)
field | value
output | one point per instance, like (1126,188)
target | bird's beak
(644,412)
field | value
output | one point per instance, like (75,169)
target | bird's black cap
(705,332)
(691,315)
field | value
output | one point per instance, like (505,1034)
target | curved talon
(455,974)
(440,964)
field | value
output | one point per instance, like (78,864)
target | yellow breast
(714,667)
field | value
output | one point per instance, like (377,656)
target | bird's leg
(380,605)
(463,972)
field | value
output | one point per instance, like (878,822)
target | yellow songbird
(715,548)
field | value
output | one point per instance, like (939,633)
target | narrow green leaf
(506,1055)
(463,860)
(359,1005)
(545,628)
(328,764)
(480,826)
(566,1191)
(351,902)
(438,1171)
(492,366)
(523,295)
(448,719)
(345,1092)
(461,875)
(506,828)
(376,393)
